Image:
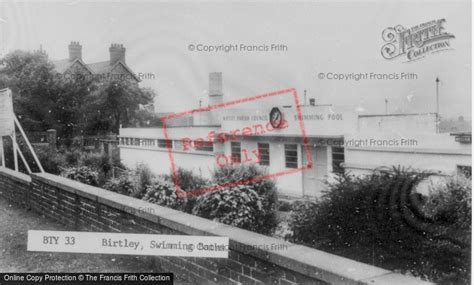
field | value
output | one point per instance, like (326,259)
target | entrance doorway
(313,178)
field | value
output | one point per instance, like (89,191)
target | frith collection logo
(416,42)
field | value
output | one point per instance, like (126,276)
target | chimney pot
(75,51)
(117,53)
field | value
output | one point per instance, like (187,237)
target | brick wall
(87,208)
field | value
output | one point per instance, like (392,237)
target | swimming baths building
(305,144)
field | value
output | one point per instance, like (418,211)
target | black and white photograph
(236,142)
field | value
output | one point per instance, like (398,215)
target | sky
(340,37)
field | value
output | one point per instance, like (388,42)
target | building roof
(394,115)
(101,67)
(61,65)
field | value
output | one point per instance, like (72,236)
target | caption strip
(133,244)
(86,278)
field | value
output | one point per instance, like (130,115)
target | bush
(163,192)
(450,202)
(123,185)
(72,156)
(377,219)
(51,160)
(188,182)
(144,178)
(96,160)
(244,172)
(100,162)
(284,206)
(302,224)
(251,206)
(132,183)
(82,174)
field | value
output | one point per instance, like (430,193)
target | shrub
(188,182)
(163,192)
(100,162)
(450,201)
(302,224)
(96,160)
(284,206)
(72,156)
(132,183)
(244,172)
(82,174)
(51,160)
(251,206)
(123,185)
(144,178)
(377,219)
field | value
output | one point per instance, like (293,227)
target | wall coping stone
(15,175)
(307,261)
(393,278)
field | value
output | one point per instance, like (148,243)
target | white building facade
(407,140)
(278,150)
(310,145)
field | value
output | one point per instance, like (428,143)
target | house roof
(61,65)
(101,67)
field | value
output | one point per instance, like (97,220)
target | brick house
(113,69)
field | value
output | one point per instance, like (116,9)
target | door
(313,178)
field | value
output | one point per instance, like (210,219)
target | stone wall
(252,259)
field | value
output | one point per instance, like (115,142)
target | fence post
(51,138)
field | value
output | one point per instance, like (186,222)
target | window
(148,142)
(204,146)
(164,143)
(178,145)
(235,151)
(264,153)
(337,159)
(291,155)
(465,169)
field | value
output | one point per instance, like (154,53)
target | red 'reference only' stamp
(276,124)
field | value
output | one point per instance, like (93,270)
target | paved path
(14,224)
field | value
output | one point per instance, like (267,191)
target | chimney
(312,102)
(117,53)
(75,51)
(215,88)
(41,52)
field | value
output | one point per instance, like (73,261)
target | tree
(31,78)
(116,103)
(42,99)
(71,106)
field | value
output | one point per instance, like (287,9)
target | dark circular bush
(379,219)
(250,206)
(163,192)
